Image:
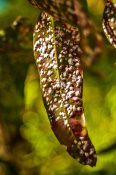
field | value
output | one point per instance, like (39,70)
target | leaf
(109,22)
(57,53)
(61,9)
(75,13)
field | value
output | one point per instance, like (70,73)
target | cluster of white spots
(69,65)
(44,49)
(59,9)
(85,150)
(109,22)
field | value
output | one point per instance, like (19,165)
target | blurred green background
(27,143)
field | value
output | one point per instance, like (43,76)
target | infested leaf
(70,11)
(75,13)
(57,53)
(109,21)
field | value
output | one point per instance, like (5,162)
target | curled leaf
(109,22)
(57,53)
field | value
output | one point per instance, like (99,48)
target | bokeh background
(27,143)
